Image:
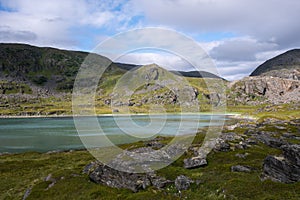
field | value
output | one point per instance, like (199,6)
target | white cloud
(167,61)
(265,20)
(56,22)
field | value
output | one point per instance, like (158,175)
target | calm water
(46,134)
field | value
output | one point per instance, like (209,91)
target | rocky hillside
(264,89)
(286,65)
(276,81)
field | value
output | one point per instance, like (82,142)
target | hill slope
(286,65)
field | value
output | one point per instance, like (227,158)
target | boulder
(194,162)
(240,168)
(221,145)
(182,182)
(286,168)
(278,169)
(105,175)
(271,141)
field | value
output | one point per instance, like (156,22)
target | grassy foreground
(21,172)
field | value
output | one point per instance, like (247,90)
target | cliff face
(265,89)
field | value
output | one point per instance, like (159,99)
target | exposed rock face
(254,90)
(284,169)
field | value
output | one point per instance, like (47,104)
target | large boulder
(284,169)
(105,175)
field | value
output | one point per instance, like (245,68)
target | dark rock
(221,145)
(292,153)
(289,135)
(182,182)
(130,103)
(251,141)
(271,141)
(241,145)
(117,179)
(194,162)
(279,169)
(105,175)
(107,101)
(240,168)
(160,182)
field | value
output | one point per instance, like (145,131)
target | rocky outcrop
(105,175)
(270,141)
(255,90)
(293,74)
(285,168)
(135,182)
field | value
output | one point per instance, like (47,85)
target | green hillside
(39,81)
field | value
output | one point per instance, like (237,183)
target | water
(47,134)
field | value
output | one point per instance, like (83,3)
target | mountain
(286,65)
(39,80)
(52,68)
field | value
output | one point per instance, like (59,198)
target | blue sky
(237,34)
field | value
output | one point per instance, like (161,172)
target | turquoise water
(46,134)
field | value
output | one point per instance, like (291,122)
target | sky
(238,35)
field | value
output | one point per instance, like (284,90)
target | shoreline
(233,115)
